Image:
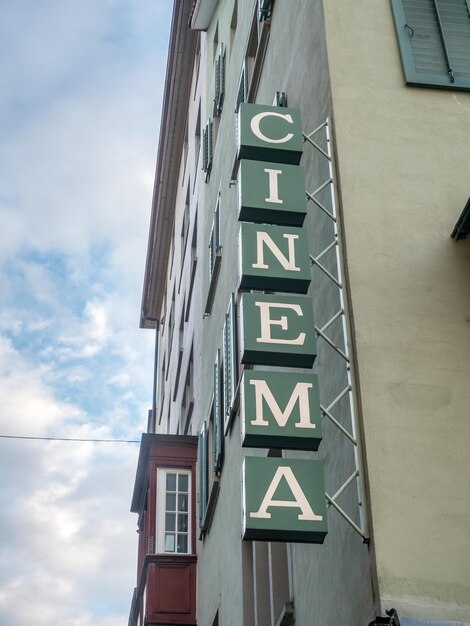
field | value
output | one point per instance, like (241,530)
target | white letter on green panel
(273,186)
(299,394)
(299,502)
(255,122)
(287,262)
(267,322)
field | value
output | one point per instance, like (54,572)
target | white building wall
(403,155)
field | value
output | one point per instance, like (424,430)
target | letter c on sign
(255,122)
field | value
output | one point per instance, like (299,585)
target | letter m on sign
(280,410)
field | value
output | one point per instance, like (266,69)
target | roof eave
(176,95)
(202,13)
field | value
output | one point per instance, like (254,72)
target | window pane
(183,482)
(171,482)
(182,502)
(170,521)
(182,543)
(170,542)
(182,523)
(170,502)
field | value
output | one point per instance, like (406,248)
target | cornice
(175,100)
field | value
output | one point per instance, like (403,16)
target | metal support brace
(313,140)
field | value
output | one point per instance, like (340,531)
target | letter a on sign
(284,500)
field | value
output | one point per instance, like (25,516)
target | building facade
(326,337)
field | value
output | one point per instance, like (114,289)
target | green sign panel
(280,410)
(272,193)
(274,258)
(277,330)
(267,133)
(284,500)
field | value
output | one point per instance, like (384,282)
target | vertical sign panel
(267,133)
(274,258)
(272,193)
(284,500)
(280,410)
(277,330)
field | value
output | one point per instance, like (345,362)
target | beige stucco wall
(403,156)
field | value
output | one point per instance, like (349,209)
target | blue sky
(80,96)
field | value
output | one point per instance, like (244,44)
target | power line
(70,439)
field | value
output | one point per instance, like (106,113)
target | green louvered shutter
(230,362)
(207,149)
(218,423)
(242,93)
(434,39)
(220,80)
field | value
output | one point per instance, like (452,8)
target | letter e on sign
(277,330)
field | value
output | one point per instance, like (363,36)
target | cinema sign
(284,499)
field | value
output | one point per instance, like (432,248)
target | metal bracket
(320,140)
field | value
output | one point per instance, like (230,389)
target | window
(207,149)
(248,65)
(180,353)
(265,9)
(162,387)
(192,277)
(197,140)
(434,41)
(171,325)
(215,257)
(210,453)
(216,417)
(202,467)
(215,43)
(197,65)
(172,251)
(185,227)
(187,399)
(214,243)
(242,93)
(233,24)
(185,152)
(173,511)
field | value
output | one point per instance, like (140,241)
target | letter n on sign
(274,258)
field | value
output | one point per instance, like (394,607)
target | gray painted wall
(331,583)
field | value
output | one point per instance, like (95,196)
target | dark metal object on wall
(391,620)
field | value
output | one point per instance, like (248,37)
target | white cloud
(81,85)
(89,337)
(27,405)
